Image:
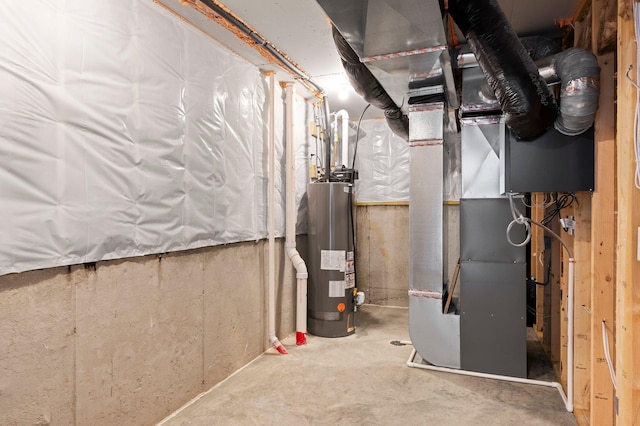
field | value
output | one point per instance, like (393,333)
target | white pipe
(520,219)
(272,219)
(343,115)
(291,214)
(558,386)
(569,403)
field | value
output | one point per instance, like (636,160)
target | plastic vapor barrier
(126,132)
(383,164)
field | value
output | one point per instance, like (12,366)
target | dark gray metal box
(551,163)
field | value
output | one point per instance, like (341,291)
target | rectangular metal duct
(482,170)
(477,95)
(400,41)
(435,335)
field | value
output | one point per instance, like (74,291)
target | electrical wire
(546,280)
(636,127)
(355,149)
(519,219)
(607,354)
(564,201)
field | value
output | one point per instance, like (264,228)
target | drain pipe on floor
(519,219)
(290,241)
(411,363)
(272,219)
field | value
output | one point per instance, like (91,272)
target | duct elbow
(579,73)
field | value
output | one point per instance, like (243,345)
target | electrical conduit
(272,220)
(290,232)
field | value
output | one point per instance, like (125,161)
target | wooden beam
(605,26)
(537,260)
(581,11)
(603,238)
(628,207)
(582,306)
(556,331)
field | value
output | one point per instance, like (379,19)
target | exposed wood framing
(583,31)
(605,26)
(247,39)
(603,237)
(582,9)
(581,242)
(555,285)
(628,207)
(538,261)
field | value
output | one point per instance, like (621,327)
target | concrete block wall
(129,341)
(382,239)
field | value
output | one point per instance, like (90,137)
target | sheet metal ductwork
(526,100)
(367,86)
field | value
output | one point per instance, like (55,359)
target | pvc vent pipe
(272,221)
(290,225)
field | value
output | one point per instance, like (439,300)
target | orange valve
(341,307)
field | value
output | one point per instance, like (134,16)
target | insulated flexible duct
(539,47)
(528,104)
(367,86)
(580,75)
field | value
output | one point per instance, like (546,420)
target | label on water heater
(349,280)
(336,288)
(332,260)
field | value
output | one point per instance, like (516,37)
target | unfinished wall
(130,341)
(383,251)
(382,238)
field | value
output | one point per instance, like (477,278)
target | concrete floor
(363,379)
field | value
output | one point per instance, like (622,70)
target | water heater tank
(331,260)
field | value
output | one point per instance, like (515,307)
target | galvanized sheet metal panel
(482,139)
(426,123)
(426,218)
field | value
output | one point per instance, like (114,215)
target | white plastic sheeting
(383,164)
(125,132)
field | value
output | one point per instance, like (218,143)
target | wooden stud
(452,287)
(582,307)
(603,252)
(555,286)
(537,260)
(581,11)
(628,207)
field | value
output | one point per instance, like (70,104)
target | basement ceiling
(301,30)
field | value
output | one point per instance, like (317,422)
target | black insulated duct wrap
(367,86)
(526,100)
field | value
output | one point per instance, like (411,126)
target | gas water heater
(331,260)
